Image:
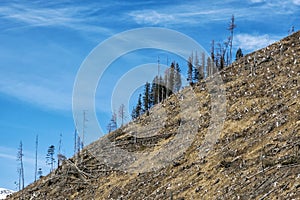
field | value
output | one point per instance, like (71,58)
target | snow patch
(4,192)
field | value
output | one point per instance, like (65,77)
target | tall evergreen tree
(146,98)
(133,113)
(154,92)
(196,74)
(220,60)
(138,108)
(238,54)
(171,77)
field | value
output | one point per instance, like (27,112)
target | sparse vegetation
(255,157)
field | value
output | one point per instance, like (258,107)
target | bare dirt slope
(256,154)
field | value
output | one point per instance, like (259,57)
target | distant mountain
(4,192)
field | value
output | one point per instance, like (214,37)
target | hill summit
(198,145)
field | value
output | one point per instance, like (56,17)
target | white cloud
(253,42)
(151,17)
(297,2)
(201,13)
(257,1)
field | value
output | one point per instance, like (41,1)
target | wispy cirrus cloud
(36,93)
(36,15)
(202,13)
(182,15)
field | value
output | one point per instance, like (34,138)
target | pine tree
(190,69)
(138,108)
(50,160)
(40,173)
(238,54)
(146,98)
(220,60)
(178,82)
(171,76)
(196,74)
(154,91)
(133,113)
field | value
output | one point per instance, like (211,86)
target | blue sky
(42,46)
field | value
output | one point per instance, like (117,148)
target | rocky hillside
(238,138)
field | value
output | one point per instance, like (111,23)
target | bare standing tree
(21,167)
(50,157)
(36,152)
(122,113)
(112,125)
(75,141)
(231,27)
(60,156)
(202,67)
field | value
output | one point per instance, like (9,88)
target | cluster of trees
(38,173)
(160,89)
(198,67)
(221,54)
